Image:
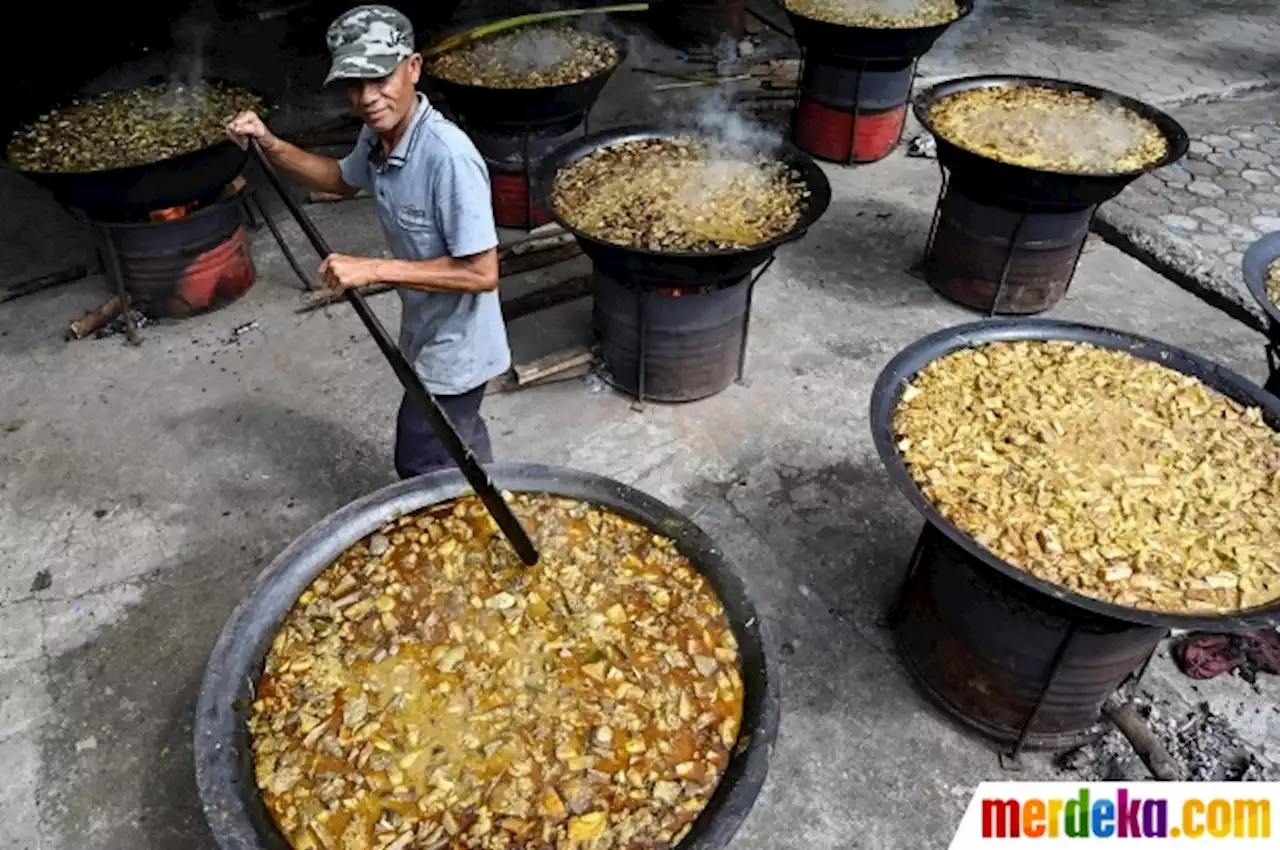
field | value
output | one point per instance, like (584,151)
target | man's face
(385,102)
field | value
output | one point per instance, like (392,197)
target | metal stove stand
(643,296)
(252,211)
(859,68)
(1025,210)
(1273,359)
(526,133)
(979,646)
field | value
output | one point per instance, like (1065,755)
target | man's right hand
(247,125)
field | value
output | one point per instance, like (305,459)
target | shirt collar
(400,153)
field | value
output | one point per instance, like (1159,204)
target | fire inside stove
(182,260)
(1003,256)
(172,213)
(671,344)
(512,157)
(852,111)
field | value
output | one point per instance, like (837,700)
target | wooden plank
(551,364)
(544,299)
(573,365)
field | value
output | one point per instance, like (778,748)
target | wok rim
(966,9)
(544,184)
(1258,258)
(130,171)
(1179,141)
(538,91)
(245,638)
(908,363)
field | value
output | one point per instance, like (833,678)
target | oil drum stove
(1020,661)
(1006,239)
(672,326)
(855,85)
(512,155)
(699,24)
(171,233)
(182,260)
(515,128)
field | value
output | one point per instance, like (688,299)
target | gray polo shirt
(433,199)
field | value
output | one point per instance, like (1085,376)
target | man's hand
(341,272)
(247,125)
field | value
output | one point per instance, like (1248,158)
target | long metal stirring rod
(413,386)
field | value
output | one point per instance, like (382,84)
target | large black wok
(991,179)
(828,39)
(1257,260)
(223,750)
(516,109)
(165,183)
(677,268)
(912,359)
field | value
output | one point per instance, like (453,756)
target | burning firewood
(95,318)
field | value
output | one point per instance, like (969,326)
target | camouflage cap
(368,42)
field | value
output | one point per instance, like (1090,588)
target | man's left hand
(341,272)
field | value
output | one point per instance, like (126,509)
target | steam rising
(1049,130)
(529,57)
(191,36)
(682,194)
(536,51)
(738,162)
(719,116)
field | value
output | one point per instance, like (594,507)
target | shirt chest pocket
(415,218)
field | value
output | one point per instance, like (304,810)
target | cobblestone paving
(1162,52)
(1198,216)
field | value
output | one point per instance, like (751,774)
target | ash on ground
(1199,740)
(118,325)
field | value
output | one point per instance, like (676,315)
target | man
(433,199)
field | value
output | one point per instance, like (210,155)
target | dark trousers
(419,451)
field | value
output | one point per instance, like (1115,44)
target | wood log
(521,263)
(1144,742)
(544,299)
(532,244)
(95,318)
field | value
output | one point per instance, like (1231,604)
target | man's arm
(321,173)
(474,273)
(463,209)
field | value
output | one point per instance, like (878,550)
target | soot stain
(843,526)
(840,537)
(134,685)
(884,240)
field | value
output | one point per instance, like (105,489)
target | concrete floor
(142,490)
(152,484)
